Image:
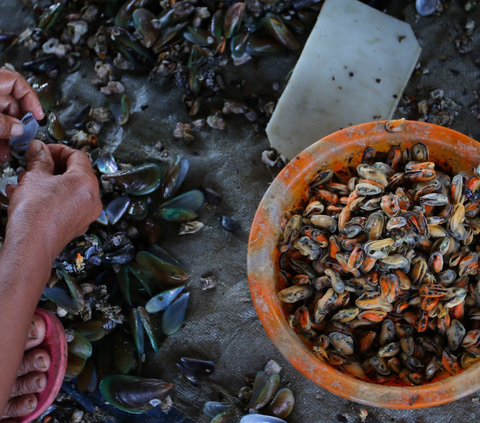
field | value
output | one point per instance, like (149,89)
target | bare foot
(31,378)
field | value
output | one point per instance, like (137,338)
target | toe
(37,360)
(31,383)
(21,406)
(36,333)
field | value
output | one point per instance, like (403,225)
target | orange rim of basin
(450,150)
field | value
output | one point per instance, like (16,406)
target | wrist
(28,248)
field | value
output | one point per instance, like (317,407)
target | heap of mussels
(379,268)
(107,284)
(182,42)
(267,402)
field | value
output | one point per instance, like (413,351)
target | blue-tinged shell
(117,208)
(161,301)
(95,155)
(106,163)
(150,328)
(102,219)
(30,129)
(213,408)
(260,418)
(191,200)
(61,298)
(5,181)
(173,317)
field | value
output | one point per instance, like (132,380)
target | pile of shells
(186,43)
(379,269)
(108,285)
(267,401)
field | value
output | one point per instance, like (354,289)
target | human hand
(17,98)
(56,199)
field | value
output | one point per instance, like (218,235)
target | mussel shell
(80,346)
(106,163)
(138,180)
(142,20)
(282,404)
(136,326)
(75,366)
(189,375)
(173,317)
(43,65)
(200,368)
(175,174)
(260,418)
(55,127)
(267,393)
(138,209)
(345,344)
(60,297)
(278,30)
(93,330)
(161,270)
(177,215)
(455,334)
(191,200)
(88,380)
(123,353)
(150,328)
(134,394)
(212,408)
(161,301)
(30,129)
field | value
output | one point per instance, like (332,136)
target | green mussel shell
(80,346)
(161,270)
(134,394)
(123,353)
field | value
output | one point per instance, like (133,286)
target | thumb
(10,127)
(39,157)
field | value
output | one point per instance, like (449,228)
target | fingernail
(36,146)
(30,405)
(38,381)
(41,363)
(17,129)
(32,333)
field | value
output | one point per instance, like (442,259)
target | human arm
(56,200)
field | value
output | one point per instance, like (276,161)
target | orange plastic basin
(450,150)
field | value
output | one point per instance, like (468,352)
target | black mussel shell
(199,368)
(133,394)
(229,224)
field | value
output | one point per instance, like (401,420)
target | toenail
(39,383)
(30,405)
(41,363)
(32,333)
